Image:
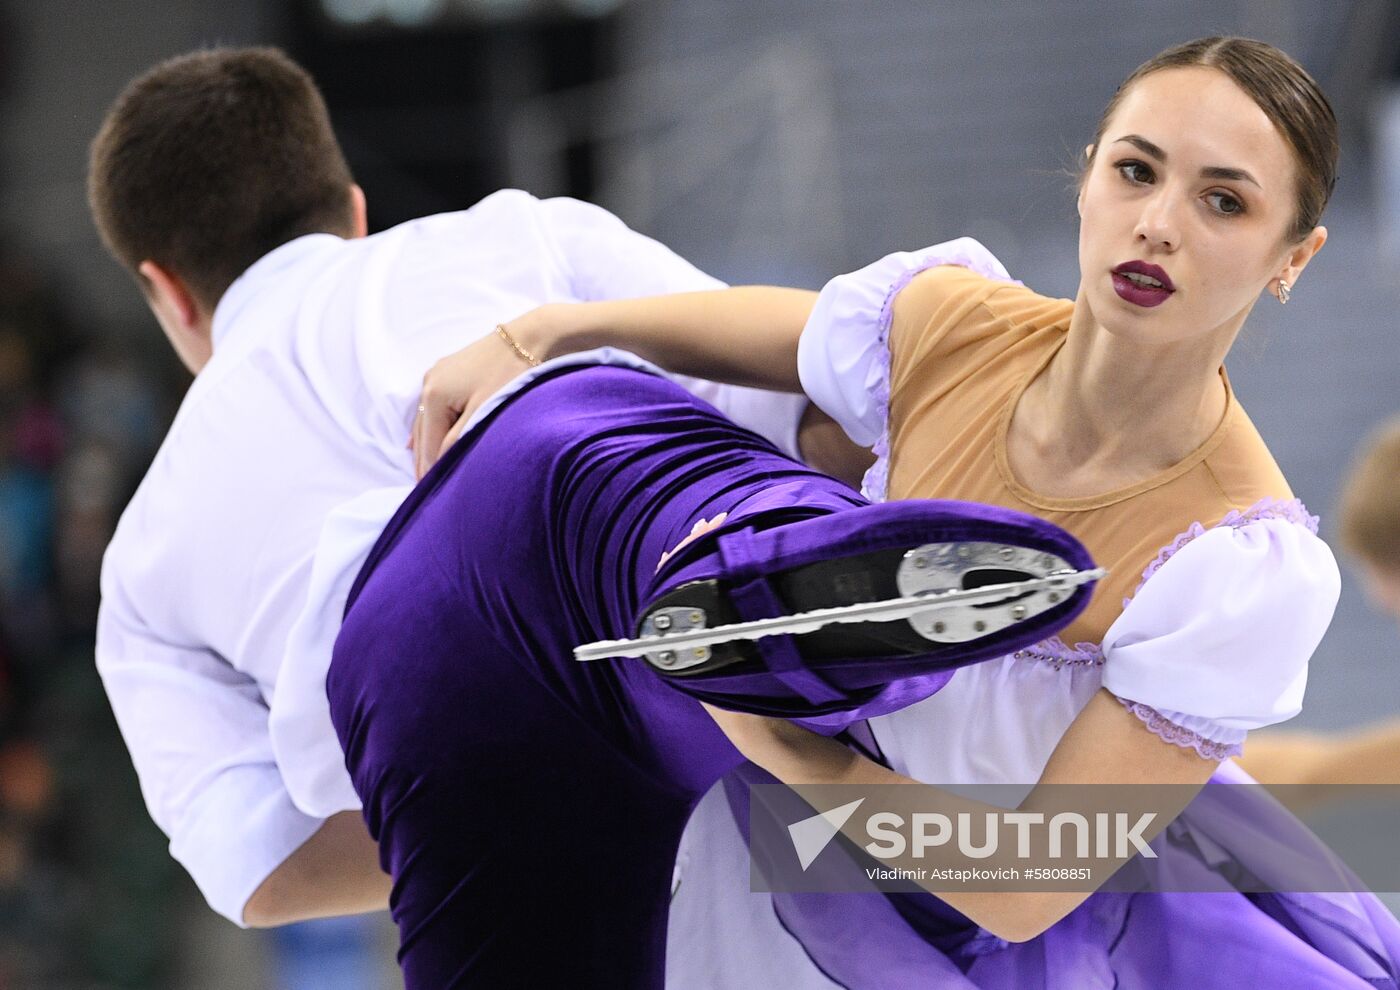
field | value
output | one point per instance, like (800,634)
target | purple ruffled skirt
(1226,904)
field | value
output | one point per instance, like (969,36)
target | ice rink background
(769,141)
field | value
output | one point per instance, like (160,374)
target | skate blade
(945,597)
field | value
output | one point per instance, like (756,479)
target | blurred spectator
(86,888)
(89,897)
(1370,518)
(30,443)
(1370,530)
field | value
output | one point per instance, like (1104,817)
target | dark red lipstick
(1139,290)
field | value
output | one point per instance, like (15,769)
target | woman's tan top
(1214,644)
(962,351)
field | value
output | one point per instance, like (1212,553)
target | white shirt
(283,463)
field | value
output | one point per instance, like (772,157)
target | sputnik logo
(811,835)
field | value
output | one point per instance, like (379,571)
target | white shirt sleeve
(1217,640)
(208,769)
(413,307)
(606,259)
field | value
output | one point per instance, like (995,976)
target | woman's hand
(455,387)
(743,336)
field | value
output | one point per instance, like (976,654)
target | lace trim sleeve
(1220,645)
(1170,729)
(964,252)
(843,355)
(1292,510)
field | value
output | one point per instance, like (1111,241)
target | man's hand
(456,386)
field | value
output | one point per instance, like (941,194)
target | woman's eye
(1135,172)
(1224,203)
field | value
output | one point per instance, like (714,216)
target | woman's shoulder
(952,281)
(950,306)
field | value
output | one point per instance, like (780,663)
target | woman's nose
(1159,223)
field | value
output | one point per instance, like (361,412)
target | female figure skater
(1112,416)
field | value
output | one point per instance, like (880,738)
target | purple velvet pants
(527,806)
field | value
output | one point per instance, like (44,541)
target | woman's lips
(1139,295)
(1134,291)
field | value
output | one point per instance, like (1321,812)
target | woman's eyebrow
(1221,172)
(1209,172)
(1145,146)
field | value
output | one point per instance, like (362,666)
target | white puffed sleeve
(843,355)
(1217,639)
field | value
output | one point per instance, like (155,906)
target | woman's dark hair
(1282,88)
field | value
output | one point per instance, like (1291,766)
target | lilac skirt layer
(1220,929)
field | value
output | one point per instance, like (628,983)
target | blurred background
(767,140)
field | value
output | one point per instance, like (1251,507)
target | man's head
(1370,516)
(206,163)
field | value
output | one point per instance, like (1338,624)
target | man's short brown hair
(210,160)
(1370,516)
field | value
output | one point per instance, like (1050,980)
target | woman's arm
(1105,744)
(1224,627)
(740,336)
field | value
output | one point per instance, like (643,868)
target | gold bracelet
(525,355)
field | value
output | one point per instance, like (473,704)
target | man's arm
(198,735)
(335,872)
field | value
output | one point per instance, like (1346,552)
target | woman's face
(1187,209)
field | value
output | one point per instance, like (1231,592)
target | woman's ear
(1083,174)
(1302,253)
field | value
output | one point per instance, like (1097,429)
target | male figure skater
(483,755)
(216,179)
